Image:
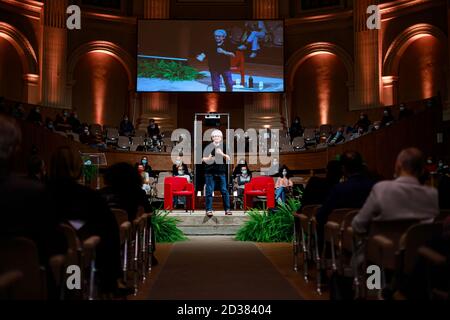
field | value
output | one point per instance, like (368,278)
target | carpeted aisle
(213,268)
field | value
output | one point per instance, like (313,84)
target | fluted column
(158,106)
(367,58)
(54,53)
(264,110)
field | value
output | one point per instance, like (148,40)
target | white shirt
(401,199)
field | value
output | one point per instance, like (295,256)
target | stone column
(367,58)
(390,90)
(264,110)
(31,86)
(54,54)
(158,106)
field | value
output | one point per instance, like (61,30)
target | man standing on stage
(219,56)
(216,169)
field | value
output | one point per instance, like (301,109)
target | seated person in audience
(283,185)
(145,179)
(317,189)
(147,167)
(35,116)
(180,165)
(36,169)
(404,112)
(238,169)
(242,179)
(296,129)
(352,193)
(18,111)
(86,137)
(180,170)
(336,138)
(400,199)
(75,122)
(27,208)
(124,189)
(49,124)
(388,118)
(126,128)
(62,122)
(363,123)
(153,129)
(85,207)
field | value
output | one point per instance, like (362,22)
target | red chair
(238,64)
(178,187)
(260,186)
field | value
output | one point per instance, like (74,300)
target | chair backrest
(121,215)
(138,141)
(310,210)
(20,254)
(325,129)
(178,183)
(96,129)
(416,236)
(112,133)
(298,142)
(73,243)
(123,142)
(261,183)
(163,175)
(140,133)
(160,190)
(338,215)
(310,133)
(8,281)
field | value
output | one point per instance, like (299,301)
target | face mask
(284,173)
(377,127)
(65,114)
(180,172)
(362,117)
(402,109)
(429,161)
(126,119)
(152,126)
(386,113)
(244,171)
(144,162)
(50,126)
(38,110)
(178,162)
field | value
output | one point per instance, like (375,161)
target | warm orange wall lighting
(99,62)
(212,101)
(323,84)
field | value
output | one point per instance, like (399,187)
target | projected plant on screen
(170,70)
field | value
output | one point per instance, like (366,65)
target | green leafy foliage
(165,228)
(170,70)
(264,226)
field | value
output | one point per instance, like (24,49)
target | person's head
(86,130)
(10,139)
(334,171)
(180,170)
(178,161)
(37,109)
(351,162)
(244,170)
(216,136)
(220,35)
(410,162)
(123,176)
(141,168)
(387,111)
(297,120)
(65,164)
(144,161)
(285,172)
(362,116)
(402,107)
(65,113)
(125,118)
(36,167)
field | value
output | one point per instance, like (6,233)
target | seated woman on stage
(282,185)
(145,179)
(181,170)
(243,178)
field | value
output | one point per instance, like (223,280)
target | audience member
(35,116)
(85,209)
(18,111)
(145,179)
(62,122)
(242,179)
(352,193)
(336,138)
(237,170)
(124,189)
(179,166)
(363,123)
(296,129)
(26,207)
(317,189)
(404,112)
(388,118)
(36,169)
(153,129)
(126,128)
(147,167)
(49,124)
(75,122)
(400,199)
(283,185)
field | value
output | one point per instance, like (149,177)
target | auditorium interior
(103,188)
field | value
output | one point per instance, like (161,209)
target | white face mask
(244,172)
(178,162)
(284,173)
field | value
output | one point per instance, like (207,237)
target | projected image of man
(219,56)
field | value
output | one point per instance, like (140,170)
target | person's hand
(220,51)
(208,159)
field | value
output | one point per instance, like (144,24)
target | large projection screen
(210,56)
